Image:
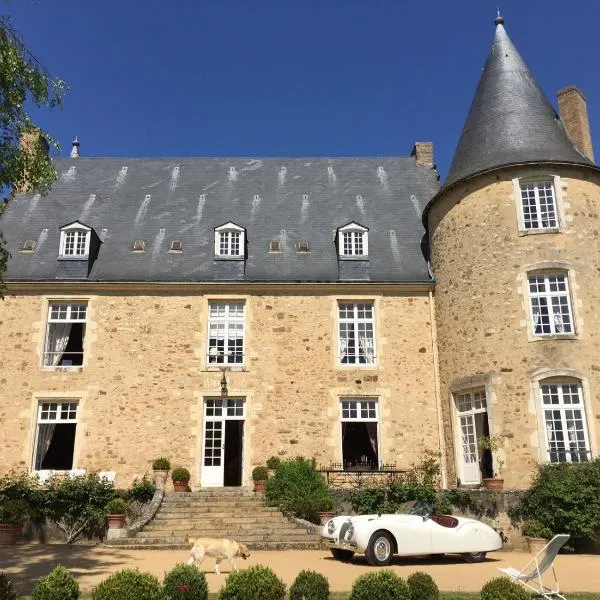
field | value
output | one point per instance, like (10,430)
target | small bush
(59,584)
(422,587)
(273,462)
(254,583)
(129,584)
(533,528)
(161,464)
(14,512)
(117,506)
(142,490)
(297,487)
(309,584)
(260,473)
(180,474)
(23,494)
(382,585)
(503,588)
(7,589)
(184,582)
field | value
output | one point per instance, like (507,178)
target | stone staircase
(236,513)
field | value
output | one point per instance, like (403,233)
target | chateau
(222,310)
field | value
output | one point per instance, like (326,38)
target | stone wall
(480,260)
(144,379)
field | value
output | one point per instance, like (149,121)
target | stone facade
(145,376)
(481,257)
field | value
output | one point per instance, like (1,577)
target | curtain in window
(372,433)
(343,348)
(558,320)
(45,435)
(58,338)
(366,347)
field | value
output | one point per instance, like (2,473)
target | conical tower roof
(510,121)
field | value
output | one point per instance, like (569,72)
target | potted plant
(326,513)
(13,514)
(493,443)
(536,535)
(117,510)
(259,475)
(272,464)
(161,467)
(181,479)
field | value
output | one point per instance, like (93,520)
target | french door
(223,442)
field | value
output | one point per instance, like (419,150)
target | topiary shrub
(503,588)
(383,585)
(59,584)
(180,474)
(297,487)
(254,583)
(129,584)
(260,473)
(161,464)
(184,582)
(273,462)
(422,587)
(7,589)
(117,506)
(309,584)
(142,490)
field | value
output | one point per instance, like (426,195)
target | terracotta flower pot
(115,521)
(326,516)
(181,486)
(259,486)
(535,544)
(160,479)
(493,483)
(9,534)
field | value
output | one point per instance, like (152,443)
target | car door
(413,534)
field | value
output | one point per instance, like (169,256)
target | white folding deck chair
(531,574)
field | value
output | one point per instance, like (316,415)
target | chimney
(423,153)
(33,145)
(573,113)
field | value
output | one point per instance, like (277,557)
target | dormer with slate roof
(352,242)
(78,248)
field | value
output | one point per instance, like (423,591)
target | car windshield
(416,507)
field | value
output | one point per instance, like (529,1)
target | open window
(360,434)
(65,332)
(230,240)
(353,241)
(356,333)
(75,241)
(55,435)
(550,301)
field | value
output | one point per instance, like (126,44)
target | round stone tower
(514,236)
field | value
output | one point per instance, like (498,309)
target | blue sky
(290,77)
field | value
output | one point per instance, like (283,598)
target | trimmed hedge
(7,589)
(129,584)
(254,583)
(309,584)
(184,582)
(502,588)
(59,584)
(422,586)
(382,585)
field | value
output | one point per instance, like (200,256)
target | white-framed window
(353,241)
(356,333)
(538,205)
(55,435)
(360,433)
(65,332)
(551,311)
(226,332)
(230,241)
(75,241)
(564,420)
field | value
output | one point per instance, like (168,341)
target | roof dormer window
(230,241)
(353,241)
(75,241)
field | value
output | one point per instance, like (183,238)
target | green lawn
(443,596)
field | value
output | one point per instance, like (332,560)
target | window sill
(73,369)
(82,257)
(547,230)
(219,258)
(554,336)
(362,367)
(359,257)
(230,368)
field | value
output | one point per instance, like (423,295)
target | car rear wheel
(474,557)
(343,555)
(380,549)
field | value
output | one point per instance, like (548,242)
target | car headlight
(350,531)
(330,527)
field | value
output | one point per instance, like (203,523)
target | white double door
(222,445)
(472,424)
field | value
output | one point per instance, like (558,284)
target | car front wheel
(474,557)
(380,550)
(343,555)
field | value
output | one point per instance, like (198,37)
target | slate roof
(279,199)
(510,120)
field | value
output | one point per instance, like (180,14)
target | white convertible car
(417,532)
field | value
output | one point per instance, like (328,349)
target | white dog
(216,548)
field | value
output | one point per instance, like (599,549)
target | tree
(24,160)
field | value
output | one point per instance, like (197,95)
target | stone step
(231,519)
(224,531)
(247,536)
(220,514)
(216,507)
(215,493)
(148,544)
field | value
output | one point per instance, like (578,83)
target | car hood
(394,518)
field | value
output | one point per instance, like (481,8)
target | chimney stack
(423,153)
(572,107)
